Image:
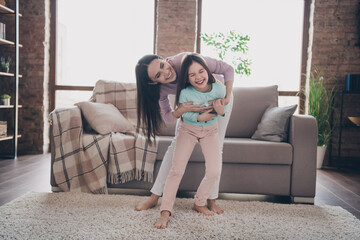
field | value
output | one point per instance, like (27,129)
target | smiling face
(161,71)
(198,77)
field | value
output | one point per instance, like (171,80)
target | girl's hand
(206,116)
(219,106)
(189,107)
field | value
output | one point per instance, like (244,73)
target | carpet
(87,216)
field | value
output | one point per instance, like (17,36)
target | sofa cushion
(104,118)
(241,150)
(168,129)
(274,124)
(250,104)
(247,150)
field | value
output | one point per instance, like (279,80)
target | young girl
(196,84)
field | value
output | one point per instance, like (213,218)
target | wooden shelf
(345,123)
(12,45)
(7,42)
(9,106)
(8,138)
(8,74)
(6,10)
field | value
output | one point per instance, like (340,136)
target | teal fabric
(190,94)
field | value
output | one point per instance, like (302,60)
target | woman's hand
(219,106)
(206,116)
(227,100)
(189,107)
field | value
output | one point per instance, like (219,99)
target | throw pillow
(274,124)
(104,118)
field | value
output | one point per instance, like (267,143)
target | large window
(275,29)
(99,40)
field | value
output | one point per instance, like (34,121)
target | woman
(156,79)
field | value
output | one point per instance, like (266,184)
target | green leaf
(233,43)
(321,105)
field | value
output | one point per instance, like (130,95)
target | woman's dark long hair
(183,80)
(148,110)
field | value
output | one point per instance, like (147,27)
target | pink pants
(188,135)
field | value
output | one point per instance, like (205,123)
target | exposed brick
(176,27)
(336,52)
(33,27)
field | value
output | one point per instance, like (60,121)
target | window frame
(304,55)
(53,83)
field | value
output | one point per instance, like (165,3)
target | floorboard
(336,187)
(23,175)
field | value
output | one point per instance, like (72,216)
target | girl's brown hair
(183,80)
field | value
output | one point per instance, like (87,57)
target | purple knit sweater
(221,70)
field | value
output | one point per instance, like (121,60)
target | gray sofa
(252,166)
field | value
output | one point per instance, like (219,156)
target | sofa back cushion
(121,95)
(249,106)
(168,129)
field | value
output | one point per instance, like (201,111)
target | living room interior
(44,75)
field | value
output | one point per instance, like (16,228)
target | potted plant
(5,99)
(5,64)
(321,106)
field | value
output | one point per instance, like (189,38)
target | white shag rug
(88,216)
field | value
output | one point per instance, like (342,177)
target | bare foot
(148,203)
(203,210)
(163,220)
(213,207)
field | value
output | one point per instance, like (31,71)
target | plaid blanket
(130,158)
(86,162)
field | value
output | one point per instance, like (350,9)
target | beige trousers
(188,135)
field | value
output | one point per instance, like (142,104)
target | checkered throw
(86,162)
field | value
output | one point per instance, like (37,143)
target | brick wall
(34,67)
(176,27)
(336,51)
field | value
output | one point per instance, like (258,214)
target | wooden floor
(32,173)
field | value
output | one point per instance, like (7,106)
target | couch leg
(55,189)
(308,200)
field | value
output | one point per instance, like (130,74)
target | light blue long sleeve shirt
(190,94)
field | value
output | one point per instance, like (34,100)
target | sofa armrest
(303,138)
(62,120)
